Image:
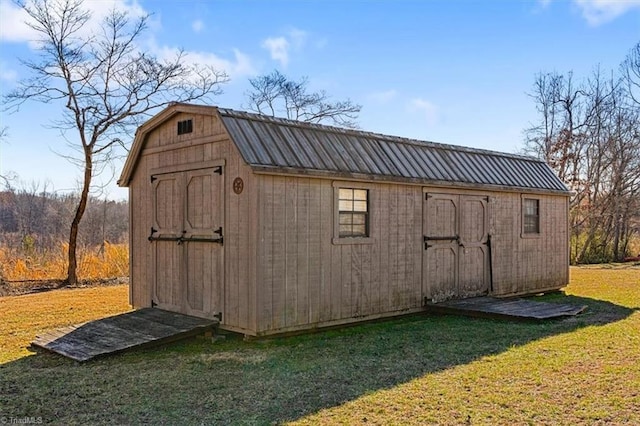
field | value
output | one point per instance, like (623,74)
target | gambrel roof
(276,145)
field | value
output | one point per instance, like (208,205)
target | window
(531,216)
(185,126)
(353,212)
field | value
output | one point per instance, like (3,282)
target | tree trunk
(72,275)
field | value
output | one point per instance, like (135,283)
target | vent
(185,126)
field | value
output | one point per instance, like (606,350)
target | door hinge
(218,316)
(153,304)
(218,170)
(153,178)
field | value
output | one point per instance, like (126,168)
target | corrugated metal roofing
(268,143)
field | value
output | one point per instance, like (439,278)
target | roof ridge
(390,138)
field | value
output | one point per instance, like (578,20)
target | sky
(456,72)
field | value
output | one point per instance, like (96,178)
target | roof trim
(326,174)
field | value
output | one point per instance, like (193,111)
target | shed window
(185,126)
(531,219)
(353,212)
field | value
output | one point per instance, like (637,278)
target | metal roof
(279,145)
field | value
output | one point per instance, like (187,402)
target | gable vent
(185,126)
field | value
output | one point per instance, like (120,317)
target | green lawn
(414,370)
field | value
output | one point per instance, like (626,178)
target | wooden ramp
(519,309)
(141,328)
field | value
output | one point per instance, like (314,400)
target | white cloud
(240,65)
(12,26)
(281,47)
(197,25)
(297,37)
(598,12)
(384,96)
(428,110)
(278,48)
(14,29)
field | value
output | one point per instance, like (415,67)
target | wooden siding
(164,148)
(526,264)
(306,280)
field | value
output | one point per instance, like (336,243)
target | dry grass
(109,260)
(414,370)
(25,316)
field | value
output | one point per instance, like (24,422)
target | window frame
(525,198)
(337,238)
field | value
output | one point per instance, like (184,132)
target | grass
(414,370)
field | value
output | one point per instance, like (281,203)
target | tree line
(588,131)
(34,219)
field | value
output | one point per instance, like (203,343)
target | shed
(273,225)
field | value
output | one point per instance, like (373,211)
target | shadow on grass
(269,381)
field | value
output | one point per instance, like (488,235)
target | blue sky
(447,71)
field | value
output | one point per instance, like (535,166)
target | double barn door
(456,252)
(187,238)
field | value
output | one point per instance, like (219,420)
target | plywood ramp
(490,307)
(141,328)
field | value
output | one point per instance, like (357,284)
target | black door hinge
(153,304)
(218,170)
(153,178)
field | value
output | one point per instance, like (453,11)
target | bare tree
(274,94)
(589,133)
(106,84)
(631,73)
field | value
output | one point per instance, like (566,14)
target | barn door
(203,246)
(473,251)
(455,251)
(188,241)
(166,231)
(440,256)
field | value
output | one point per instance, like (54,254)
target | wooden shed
(274,225)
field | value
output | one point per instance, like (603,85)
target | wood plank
(519,309)
(315,251)
(233,299)
(118,333)
(302,252)
(246,250)
(277,234)
(291,251)
(383,265)
(266,285)
(326,237)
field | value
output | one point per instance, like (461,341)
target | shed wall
(306,280)
(526,264)
(207,142)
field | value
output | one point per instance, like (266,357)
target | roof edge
(325,174)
